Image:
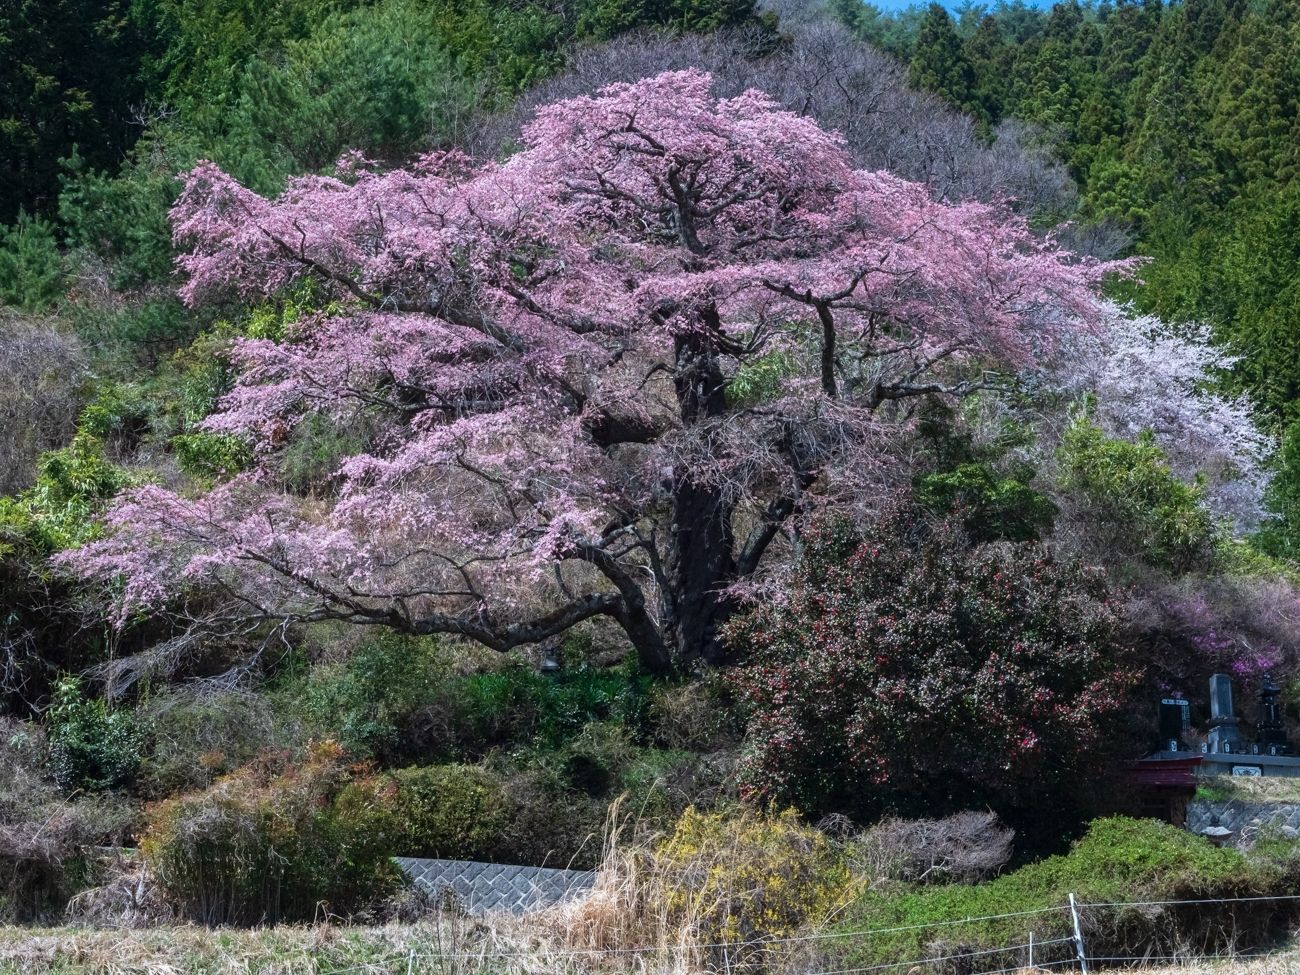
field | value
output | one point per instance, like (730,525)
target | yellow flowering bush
(742,877)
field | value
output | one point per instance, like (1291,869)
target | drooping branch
(546,352)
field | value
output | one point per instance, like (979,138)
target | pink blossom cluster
(548,348)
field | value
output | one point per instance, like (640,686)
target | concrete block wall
(1245,818)
(482,888)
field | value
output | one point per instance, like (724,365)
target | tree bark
(700,566)
(701,560)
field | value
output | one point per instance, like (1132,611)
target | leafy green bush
(760,378)
(517,705)
(369,701)
(72,485)
(1136,493)
(984,483)
(31,268)
(457,812)
(90,747)
(1119,860)
(992,507)
(211,456)
(278,840)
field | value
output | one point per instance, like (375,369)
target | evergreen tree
(992,60)
(1170,144)
(69,76)
(1256,100)
(939,63)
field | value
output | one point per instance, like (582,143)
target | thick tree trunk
(701,557)
(700,566)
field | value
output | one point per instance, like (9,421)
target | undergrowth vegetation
(1118,861)
(721,445)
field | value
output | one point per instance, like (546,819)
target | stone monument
(1271,727)
(1224,738)
(1174,720)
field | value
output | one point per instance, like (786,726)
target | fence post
(1078,936)
(1031,950)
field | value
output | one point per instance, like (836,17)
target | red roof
(1179,772)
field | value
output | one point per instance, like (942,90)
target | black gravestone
(1175,719)
(1271,726)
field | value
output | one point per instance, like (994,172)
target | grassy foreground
(321,949)
(324,949)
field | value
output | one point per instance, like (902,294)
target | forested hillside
(776,452)
(1179,124)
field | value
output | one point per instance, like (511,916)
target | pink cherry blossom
(550,351)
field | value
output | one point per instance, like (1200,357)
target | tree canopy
(605,377)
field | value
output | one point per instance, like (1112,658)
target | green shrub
(457,812)
(985,482)
(1119,860)
(369,701)
(31,268)
(72,486)
(563,797)
(279,840)
(1138,497)
(593,762)
(516,705)
(545,808)
(90,747)
(992,507)
(760,378)
(211,456)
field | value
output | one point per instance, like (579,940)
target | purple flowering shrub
(1245,625)
(908,670)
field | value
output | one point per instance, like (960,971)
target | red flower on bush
(919,673)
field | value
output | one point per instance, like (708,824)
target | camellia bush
(909,671)
(546,351)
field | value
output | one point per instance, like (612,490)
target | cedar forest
(787,432)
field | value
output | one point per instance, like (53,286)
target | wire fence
(1055,954)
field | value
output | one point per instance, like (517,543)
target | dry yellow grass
(452,947)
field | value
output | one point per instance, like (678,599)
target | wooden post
(1078,936)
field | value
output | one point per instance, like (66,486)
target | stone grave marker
(1271,727)
(1175,718)
(1224,737)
